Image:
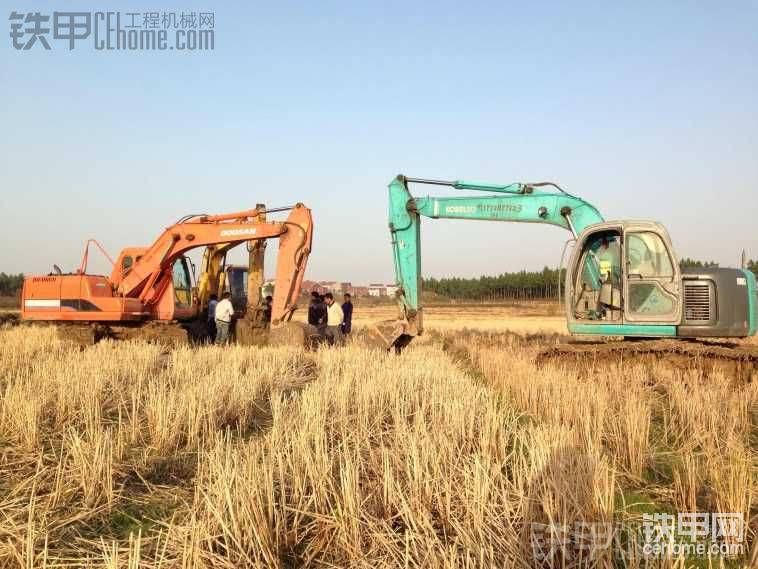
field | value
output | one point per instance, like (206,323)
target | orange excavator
(149,293)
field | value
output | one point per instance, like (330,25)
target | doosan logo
(237,232)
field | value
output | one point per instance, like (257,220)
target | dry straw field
(124,455)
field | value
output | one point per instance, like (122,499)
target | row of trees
(10,285)
(523,285)
(688,263)
(519,285)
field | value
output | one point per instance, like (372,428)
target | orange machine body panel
(124,262)
(76,298)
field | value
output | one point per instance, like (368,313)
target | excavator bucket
(388,335)
(395,334)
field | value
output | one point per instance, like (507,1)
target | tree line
(524,285)
(521,285)
(506,286)
(688,263)
(10,285)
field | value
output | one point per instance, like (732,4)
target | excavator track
(163,333)
(734,359)
(173,334)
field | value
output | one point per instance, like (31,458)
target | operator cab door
(652,279)
(176,302)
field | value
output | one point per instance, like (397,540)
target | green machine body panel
(752,292)
(636,330)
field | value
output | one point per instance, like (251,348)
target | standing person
(317,315)
(267,308)
(224,312)
(321,310)
(314,310)
(347,311)
(212,303)
(334,320)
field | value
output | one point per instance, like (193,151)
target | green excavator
(623,278)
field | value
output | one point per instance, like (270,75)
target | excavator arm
(294,248)
(211,276)
(145,278)
(525,203)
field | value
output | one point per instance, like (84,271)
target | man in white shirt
(224,312)
(334,318)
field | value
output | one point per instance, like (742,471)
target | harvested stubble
(121,455)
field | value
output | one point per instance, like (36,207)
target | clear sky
(646,109)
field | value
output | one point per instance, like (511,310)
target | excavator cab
(624,279)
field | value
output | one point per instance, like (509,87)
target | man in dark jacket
(347,311)
(317,312)
(268,306)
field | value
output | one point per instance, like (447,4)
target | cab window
(650,268)
(182,285)
(237,283)
(601,260)
(648,257)
(598,291)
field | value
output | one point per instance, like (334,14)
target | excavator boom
(182,237)
(521,203)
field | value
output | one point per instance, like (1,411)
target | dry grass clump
(679,440)
(453,455)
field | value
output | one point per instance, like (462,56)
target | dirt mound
(247,334)
(295,334)
(737,360)
(10,318)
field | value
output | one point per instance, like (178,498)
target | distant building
(358,290)
(311,286)
(332,286)
(375,289)
(340,288)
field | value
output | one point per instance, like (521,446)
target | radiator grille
(697,302)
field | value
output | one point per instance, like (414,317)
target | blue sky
(646,109)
